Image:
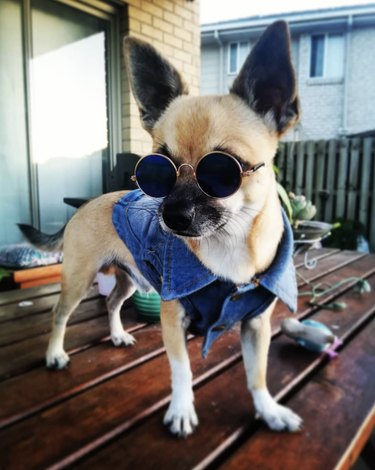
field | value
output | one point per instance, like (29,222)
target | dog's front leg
(255,340)
(180,417)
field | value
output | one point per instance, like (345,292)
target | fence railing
(337,175)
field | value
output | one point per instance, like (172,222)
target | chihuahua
(205,228)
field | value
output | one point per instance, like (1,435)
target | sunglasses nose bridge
(187,166)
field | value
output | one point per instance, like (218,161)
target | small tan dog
(223,207)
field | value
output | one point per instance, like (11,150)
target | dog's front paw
(277,417)
(181,418)
(57,359)
(122,338)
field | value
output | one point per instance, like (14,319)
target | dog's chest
(228,260)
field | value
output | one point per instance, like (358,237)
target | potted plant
(147,306)
(300,212)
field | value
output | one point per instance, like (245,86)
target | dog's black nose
(178,217)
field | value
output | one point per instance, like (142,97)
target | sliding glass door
(69,107)
(14,170)
(55,111)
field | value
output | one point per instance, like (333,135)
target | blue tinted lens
(218,175)
(155,175)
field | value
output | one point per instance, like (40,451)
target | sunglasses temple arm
(253,169)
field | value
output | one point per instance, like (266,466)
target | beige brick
(172,18)
(140,15)
(184,11)
(189,47)
(164,4)
(151,32)
(182,34)
(182,56)
(152,9)
(134,3)
(134,26)
(172,40)
(162,25)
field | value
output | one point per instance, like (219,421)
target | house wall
(322,100)
(361,92)
(211,72)
(172,26)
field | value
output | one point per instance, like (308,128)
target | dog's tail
(41,240)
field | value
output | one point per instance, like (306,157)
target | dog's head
(247,124)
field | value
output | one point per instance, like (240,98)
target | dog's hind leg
(123,289)
(76,281)
(255,340)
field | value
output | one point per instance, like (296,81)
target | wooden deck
(106,409)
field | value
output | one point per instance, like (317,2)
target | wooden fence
(337,175)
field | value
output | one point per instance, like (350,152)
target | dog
(207,216)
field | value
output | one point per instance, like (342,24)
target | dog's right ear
(267,81)
(154,81)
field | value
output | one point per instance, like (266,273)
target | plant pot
(147,306)
(311,231)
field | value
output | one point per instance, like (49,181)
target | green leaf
(4,273)
(283,195)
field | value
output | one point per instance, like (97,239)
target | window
(327,56)
(238,52)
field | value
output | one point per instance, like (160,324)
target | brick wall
(172,26)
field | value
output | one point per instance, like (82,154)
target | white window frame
(238,43)
(325,57)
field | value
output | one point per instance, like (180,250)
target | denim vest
(214,305)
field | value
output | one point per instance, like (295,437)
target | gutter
(221,60)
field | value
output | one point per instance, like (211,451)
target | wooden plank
(18,295)
(314,253)
(319,178)
(101,408)
(87,406)
(18,358)
(37,273)
(365,182)
(40,388)
(353,180)
(44,395)
(300,167)
(225,409)
(342,179)
(28,327)
(330,183)
(340,397)
(327,265)
(280,162)
(26,306)
(310,163)
(289,167)
(13,297)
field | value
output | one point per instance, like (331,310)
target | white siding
(210,70)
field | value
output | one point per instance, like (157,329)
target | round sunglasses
(218,174)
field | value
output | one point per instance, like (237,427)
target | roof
(333,19)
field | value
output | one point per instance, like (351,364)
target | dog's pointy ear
(154,81)
(267,81)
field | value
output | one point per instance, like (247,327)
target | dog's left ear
(267,81)
(154,81)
